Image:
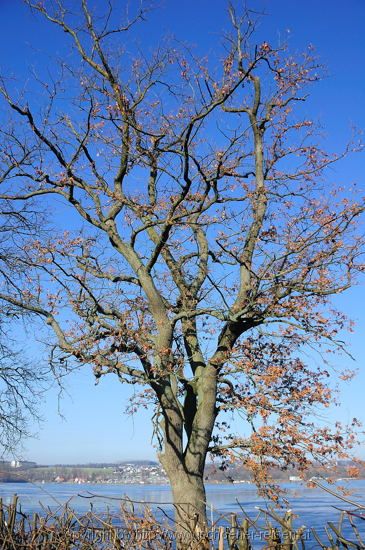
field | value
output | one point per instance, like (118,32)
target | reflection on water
(313,506)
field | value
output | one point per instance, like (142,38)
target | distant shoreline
(164,484)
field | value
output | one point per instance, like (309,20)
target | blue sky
(94,427)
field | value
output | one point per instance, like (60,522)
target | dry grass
(66,530)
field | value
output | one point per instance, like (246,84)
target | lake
(314,507)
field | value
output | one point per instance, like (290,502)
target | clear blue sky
(95,428)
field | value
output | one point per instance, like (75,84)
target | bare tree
(21,381)
(21,384)
(209,245)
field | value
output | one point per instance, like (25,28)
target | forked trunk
(184,464)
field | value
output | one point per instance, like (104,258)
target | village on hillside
(150,472)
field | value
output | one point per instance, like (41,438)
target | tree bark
(189,499)
(184,465)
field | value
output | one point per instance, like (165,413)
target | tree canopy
(205,240)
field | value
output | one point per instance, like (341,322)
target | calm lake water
(314,507)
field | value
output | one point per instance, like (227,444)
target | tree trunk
(190,509)
(185,465)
